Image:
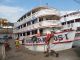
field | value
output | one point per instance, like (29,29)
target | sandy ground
(24,54)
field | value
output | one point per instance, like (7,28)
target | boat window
(77,35)
(28,33)
(78,28)
(49,17)
(64,15)
(52,17)
(24,25)
(77,20)
(28,14)
(28,23)
(24,16)
(34,31)
(56,28)
(21,26)
(33,12)
(20,34)
(41,31)
(21,18)
(40,19)
(63,23)
(68,22)
(24,34)
(72,21)
(34,21)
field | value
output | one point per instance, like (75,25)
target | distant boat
(5,29)
(72,21)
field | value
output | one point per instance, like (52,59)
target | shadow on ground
(77,51)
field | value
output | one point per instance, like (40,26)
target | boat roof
(37,9)
(40,7)
(65,13)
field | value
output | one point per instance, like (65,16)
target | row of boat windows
(48,17)
(35,21)
(71,14)
(30,32)
(23,17)
(29,23)
(71,21)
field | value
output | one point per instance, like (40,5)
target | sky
(12,10)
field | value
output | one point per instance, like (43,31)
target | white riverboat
(39,22)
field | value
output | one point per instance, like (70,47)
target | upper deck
(71,20)
(36,13)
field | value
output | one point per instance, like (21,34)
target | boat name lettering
(38,40)
(60,37)
(56,38)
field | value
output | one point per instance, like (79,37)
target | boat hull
(60,41)
(56,47)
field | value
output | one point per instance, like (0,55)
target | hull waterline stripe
(30,44)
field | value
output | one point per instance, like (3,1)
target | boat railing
(37,25)
(23,21)
(44,12)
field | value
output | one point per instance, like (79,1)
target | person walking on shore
(47,41)
(49,51)
(17,43)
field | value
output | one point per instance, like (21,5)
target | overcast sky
(14,9)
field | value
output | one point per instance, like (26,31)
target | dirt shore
(24,54)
